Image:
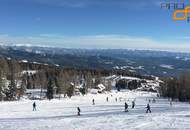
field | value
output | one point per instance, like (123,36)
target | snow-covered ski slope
(62,114)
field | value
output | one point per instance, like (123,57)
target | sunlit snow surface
(62,114)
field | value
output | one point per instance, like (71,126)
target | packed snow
(62,114)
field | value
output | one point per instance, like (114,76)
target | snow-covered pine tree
(3,77)
(11,90)
(2,86)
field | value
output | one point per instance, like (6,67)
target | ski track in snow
(62,114)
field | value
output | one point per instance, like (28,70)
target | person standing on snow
(78,109)
(133,104)
(148,108)
(126,107)
(34,106)
(107,99)
(93,102)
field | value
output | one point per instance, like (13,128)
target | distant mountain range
(146,62)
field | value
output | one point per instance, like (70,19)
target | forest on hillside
(176,88)
(17,76)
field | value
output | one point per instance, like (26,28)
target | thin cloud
(186,37)
(94,42)
(98,3)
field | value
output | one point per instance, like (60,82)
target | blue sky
(92,24)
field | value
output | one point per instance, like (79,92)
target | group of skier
(93,103)
(133,106)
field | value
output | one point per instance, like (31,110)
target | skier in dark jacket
(133,104)
(78,109)
(93,102)
(148,108)
(34,106)
(126,107)
(107,99)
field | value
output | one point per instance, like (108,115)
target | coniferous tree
(2,86)
(14,78)
(70,91)
(3,76)
(177,88)
(50,89)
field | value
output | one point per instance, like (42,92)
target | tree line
(176,88)
(14,79)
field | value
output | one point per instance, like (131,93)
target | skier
(116,99)
(148,108)
(133,104)
(93,102)
(34,106)
(78,109)
(126,107)
(107,99)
